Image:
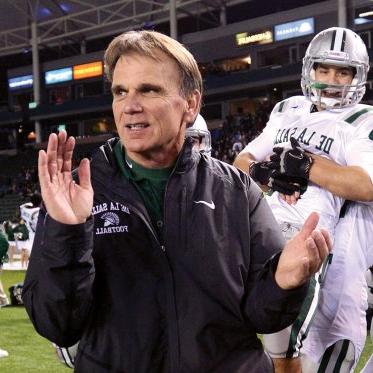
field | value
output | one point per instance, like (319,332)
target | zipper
(173,329)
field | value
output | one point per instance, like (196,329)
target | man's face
(333,75)
(149,111)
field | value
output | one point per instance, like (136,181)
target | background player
(329,122)
(338,332)
(201,134)
(29,213)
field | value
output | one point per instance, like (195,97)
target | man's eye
(150,90)
(119,92)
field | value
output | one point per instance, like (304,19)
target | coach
(156,257)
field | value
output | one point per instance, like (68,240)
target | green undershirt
(149,182)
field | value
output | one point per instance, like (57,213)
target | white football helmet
(335,46)
(201,134)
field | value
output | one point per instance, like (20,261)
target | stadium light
(366,14)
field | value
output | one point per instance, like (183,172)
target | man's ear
(193,106)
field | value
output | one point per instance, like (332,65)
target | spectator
(21,235)
(9,231)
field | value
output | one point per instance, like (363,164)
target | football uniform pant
(287,342)
(338,358)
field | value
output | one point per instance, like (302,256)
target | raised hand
(65,201)
(303,254)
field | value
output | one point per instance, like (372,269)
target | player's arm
(349,182)
(353,181)
(258,171)
(244,160)
(252,159)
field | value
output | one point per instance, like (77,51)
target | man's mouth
(331,94)
(136,126)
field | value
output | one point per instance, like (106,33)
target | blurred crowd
(24,183)
(237,131)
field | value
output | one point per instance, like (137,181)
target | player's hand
(287,185)
(260,172)
(303,254)
(292,163)
(65,201)
(290,199)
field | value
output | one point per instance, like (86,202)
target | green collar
(133,171)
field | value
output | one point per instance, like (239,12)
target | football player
(29,214)
(201,135)
(323,143)
(338,332)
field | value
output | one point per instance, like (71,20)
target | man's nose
(132,103)
(333,78)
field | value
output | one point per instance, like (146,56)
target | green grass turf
(28,352)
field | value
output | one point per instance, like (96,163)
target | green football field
(28,352)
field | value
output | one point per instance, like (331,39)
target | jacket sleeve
(57,292)
(268,307)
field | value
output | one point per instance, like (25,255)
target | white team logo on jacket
(110,219)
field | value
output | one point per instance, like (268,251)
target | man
(200,134)
(144,259)
(9,231)
(201,137)
(3,298)
(4,245)
(21,235)
(29,213)
(338,332)
(328,122)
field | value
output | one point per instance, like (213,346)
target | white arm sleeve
(260,147)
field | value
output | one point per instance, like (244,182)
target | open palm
(66,201)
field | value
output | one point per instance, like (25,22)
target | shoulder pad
(281,106)
(356,117)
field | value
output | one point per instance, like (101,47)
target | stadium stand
(9,206)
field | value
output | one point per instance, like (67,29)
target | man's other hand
(303,254)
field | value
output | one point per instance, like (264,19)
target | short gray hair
(145,42)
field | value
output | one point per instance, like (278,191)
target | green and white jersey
(344,136)
(343,297)
(30,214)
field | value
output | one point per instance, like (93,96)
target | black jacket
(191,301)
